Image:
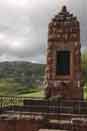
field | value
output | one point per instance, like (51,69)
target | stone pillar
(64,36)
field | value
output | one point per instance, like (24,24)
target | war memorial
(63,108)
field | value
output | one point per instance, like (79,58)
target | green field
(10,87)
(85,92)
(35,94)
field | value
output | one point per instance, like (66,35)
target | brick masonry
(19,125)
(79,125)
(33,125)
(64,34)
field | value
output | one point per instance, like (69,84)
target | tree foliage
(84,66)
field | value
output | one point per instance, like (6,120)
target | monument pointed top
(64,9)
(64,16)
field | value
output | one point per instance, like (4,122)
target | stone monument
(63,70)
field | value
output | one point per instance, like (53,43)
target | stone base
(64,90)
(79,125)
(19,125)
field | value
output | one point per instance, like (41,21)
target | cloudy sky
(24,24)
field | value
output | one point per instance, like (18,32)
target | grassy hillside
(24,78)
(12,87)
(18,78)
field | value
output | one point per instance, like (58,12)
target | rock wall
(19,125)
(34,125)
(79,125)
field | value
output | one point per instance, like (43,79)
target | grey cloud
(23,27)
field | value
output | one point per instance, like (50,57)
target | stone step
(61,125)
(51,130)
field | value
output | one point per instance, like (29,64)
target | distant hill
(20,77)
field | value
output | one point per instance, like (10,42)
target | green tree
(84,66)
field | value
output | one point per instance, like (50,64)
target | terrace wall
(35,125)
(19,125)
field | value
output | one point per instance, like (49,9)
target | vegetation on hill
(17,78)
(25,79)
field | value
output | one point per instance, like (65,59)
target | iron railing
(6,101)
